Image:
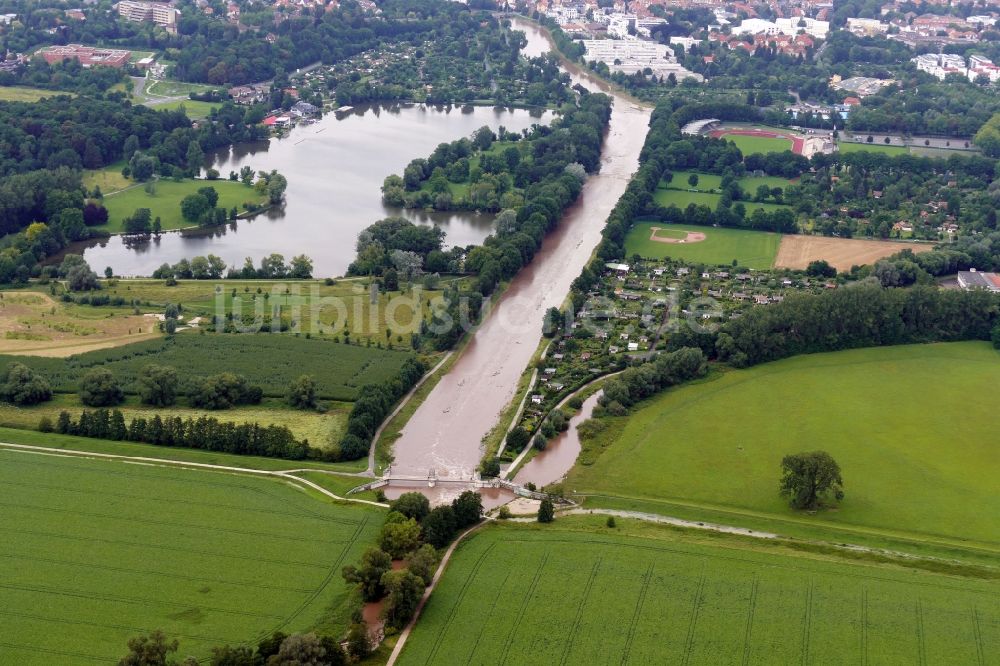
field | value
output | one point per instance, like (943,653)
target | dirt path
(288,474)
(427,592)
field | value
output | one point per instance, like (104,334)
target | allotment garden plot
(96,551)
(520,595)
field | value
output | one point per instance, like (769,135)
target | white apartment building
(160,13)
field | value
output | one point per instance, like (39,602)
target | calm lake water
(335,170)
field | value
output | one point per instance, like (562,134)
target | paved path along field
(286,474)
(445,433)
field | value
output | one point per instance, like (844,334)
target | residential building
(160,13)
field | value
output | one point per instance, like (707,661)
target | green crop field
(576,592)
(753,249)
(682,198)
(269,361)
(165,202)
(98,551)
(26,94)
(850,147)
(912,427)
(322,430)
(751,145)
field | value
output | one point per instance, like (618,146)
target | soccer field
(576,592)
(95,552)
(752,249)
(913,429)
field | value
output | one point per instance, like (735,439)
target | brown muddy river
(445,434)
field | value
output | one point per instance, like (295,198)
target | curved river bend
(445,433)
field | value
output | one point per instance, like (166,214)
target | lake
(335,170)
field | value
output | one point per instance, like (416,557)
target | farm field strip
(588,598)
(339,369)
(209,557)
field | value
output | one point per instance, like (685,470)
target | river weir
(444,436)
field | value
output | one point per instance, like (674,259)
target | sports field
(576,592)
(753,249)
(912,427)
(797,251)
(165,202)
(754,140)
(95,552)
(682,198)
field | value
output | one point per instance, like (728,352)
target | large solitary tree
(805,477)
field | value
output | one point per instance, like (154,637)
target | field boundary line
(166,462)
(640,602)
(461,597)
(579,611)
(977,632)
(750,613)
(523,609)
(398,649)
(921,646)
(864,625)
(807,623)
(693,621)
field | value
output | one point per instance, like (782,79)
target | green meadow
(753,249)
(682,198)
(708,182)
(850,147)
(577,592)
(165,201)
(98,551)
(913,429)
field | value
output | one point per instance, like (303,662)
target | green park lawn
(169,88)
(578,592)
(753,249)
(26,94)
(165,202)
(109,179)
(681,199)
(913,429)
(194,109)
(708,182)
(98,551)
(752,145)
(851,147)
